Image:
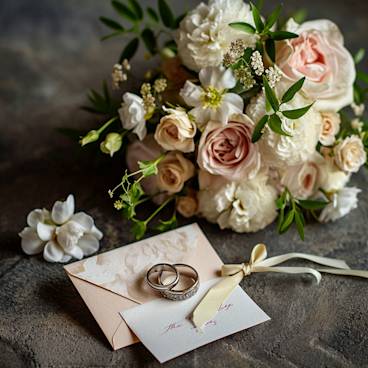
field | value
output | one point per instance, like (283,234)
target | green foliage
(166,14)
(292,210)
(243,26)
(273,120)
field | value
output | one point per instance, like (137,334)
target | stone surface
(50,55)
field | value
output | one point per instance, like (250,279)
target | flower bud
(167,53)
(111,144)
(90,137)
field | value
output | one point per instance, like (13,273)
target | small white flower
(61,235)
(256,62)
(212,101)
(358,109)
(132,114)
(357,124)
(342,202)
(273,76)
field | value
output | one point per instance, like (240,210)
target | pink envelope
(115,281)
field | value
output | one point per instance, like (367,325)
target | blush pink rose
(319,55)
(228,150)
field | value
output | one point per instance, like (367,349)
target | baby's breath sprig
(292,210)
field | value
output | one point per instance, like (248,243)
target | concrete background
(50,54)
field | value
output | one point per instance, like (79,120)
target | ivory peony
(204,34)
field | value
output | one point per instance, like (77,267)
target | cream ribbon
(234,273)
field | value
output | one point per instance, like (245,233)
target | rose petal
(53,252)
(96,232)
(31,243)
(36,216)
(62,211)
(84,220)
(88,244)
(75,252)
(66,258)
(45,232)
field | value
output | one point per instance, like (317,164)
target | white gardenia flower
(204,35)
(243,207)
(132,114)
(211,100)
(342,202)
(62,234)
(282,151)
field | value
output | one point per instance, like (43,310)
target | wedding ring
(157,270)
(186,293)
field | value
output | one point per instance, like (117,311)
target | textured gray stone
(50,55)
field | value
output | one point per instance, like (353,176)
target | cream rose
(204,34)
(173,171)
(187,205)
(330,127)
(176,131)
(228,150)
(282,151)
(350,154)
(319,55)
(248,206)
(302,180)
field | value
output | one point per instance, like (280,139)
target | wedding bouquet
(245,119)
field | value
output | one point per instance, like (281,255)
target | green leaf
(150,168)
(362,76)
(247,54)
(166,14)
(139,228)
(291,92)
(288,220)
(270,49)
(244,27)
(312,204)
(299,221)
(257,18)
(270,95)
(112,24)
(136,192)
(129,50)
(359,94)
(258,130)
(275,124)
(271,20)
(153,15)
(282,35)
(149,40)
(110,35)
(359,56)
(136,8)
(168,224)
(297,113)
(124,11)
(299,16)
(280,219)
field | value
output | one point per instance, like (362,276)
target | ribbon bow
(233,274)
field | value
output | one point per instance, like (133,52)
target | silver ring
(183,294)
(159,269)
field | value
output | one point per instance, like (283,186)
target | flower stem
(107,124)
(159,209)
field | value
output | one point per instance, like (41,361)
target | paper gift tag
(164,328)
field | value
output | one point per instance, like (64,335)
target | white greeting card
(164,328)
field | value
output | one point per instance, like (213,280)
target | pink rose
(228,150)
(319,55)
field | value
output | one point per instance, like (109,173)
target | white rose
(331,178)
(243,207)
(341,204)
(204,34)
(302,180)
(132,114)
(319,55)
(350,154)
(176,131)
(282,151)
(330,127)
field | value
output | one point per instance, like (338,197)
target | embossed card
(164,328)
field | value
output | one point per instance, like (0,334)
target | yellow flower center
(212,97)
